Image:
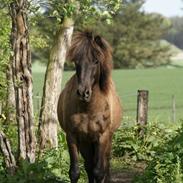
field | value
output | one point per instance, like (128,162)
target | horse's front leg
(102,155)
(74,172)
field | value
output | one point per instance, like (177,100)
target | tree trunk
(52,86)
(7,153)
(22,80)
(10,101)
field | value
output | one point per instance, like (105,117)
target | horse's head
(92,57)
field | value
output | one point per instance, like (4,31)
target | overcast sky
(165,7)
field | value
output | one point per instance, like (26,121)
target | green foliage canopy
(50,16)
(135,35)
(87,9)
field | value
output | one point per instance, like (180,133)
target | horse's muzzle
(84,95)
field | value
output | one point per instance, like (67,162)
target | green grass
(161,83)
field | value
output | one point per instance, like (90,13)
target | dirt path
(123,176)
(126,175)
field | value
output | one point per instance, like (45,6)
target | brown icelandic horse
(89,110)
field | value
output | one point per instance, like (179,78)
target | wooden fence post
(173,109)
(142,110)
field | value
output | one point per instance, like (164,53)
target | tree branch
(7,153)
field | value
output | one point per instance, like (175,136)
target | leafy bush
(130,146)
(51,167)
(167,165)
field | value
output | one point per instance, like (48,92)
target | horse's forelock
(84,41)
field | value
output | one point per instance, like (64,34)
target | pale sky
(166,7)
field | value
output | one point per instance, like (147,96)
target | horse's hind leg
(74,172)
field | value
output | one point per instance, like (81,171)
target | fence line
(131,105)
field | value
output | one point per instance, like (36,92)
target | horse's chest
(93,121)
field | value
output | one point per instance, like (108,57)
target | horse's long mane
(86,44)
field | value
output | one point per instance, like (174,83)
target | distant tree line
(175,34)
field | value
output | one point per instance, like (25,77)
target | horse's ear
(100,42)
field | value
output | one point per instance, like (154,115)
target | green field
(162,83)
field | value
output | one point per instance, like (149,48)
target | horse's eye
(96,61)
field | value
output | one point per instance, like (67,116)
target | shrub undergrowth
(51,167)
(128,144)
(167,165)
(161,149)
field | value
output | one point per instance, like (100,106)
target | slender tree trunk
(52,86)
(10,101)
(22,80)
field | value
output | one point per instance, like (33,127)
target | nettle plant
(131,147)
(167,165)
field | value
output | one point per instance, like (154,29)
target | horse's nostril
(87,93)
(78,93)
